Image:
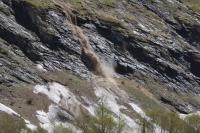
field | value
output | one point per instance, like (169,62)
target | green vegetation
(140,94)
(44,4)
(103,122)
(194,122)
(39,130)
(193,4)
(79,5)
(10,124)
(108,18)
(3,51)
(129,18)
(61,129)
(171,122)
(75,83)
(146,126)
(110,3)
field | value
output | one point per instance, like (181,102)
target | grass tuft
(43,4)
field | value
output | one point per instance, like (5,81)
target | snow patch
(91,109)
(64,102)
(143,27)
(41,68)
(61,96)
(109,99)
(133,127)
(54,91)
(30,126)
(8,110)
(183,116)
(137,109)
(50,120)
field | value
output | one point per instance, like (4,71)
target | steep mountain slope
(150,50)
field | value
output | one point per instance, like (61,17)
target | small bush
(40,130)
(193,4)
(194,122)
(61,129)
(110,3)
(102,123)
(171,122)
(10,124)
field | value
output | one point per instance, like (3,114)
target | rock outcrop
(155,42)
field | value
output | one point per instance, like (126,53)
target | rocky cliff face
(154,43)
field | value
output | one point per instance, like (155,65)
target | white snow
(30,126)
(8,110)
(91,109)
(61,96)
(110,101)
(66,100)
(137,109)
(132,126)
(46,119)
(49,120)
(143,27)
(108,98)
(54,91)
(63,99)
(41,68)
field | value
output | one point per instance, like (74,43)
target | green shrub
(170,121)
(40,130)
(110,3)
(61,129)
(103,122)
(193,4)
(145,126)
(194,121)
(10,124)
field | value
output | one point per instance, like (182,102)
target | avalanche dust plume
(103,73)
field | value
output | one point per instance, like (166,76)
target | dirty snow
(109,99)
(46,119)
(30,126)
(50,120)
(138,110)
(63,97)
(90,109)
(54,91)
(133,127)
(64,102)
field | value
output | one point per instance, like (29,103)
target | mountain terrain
(60,58)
